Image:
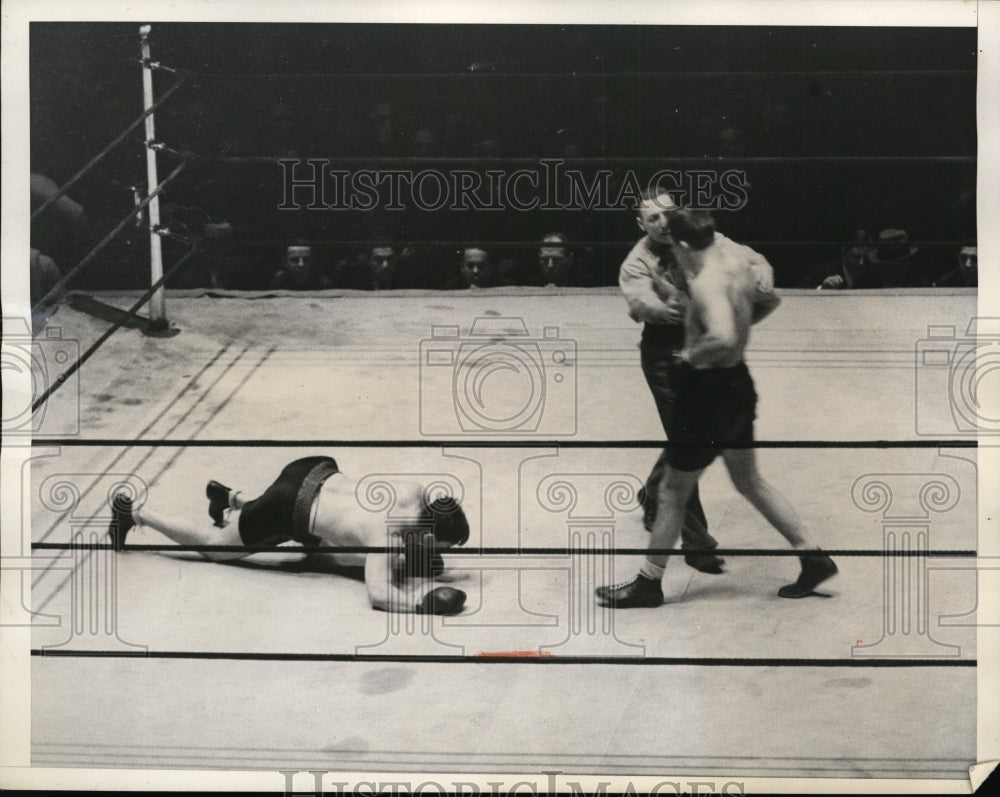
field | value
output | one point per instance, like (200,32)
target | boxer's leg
(779,512)
(656,367)
(179,530)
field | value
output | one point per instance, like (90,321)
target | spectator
(221,261)
(476,270)
(854,269)
(383,262)
(299,271)
(512,269)
(383,267)
(889,262)
(479,269)
(61,230)
(895,260)
(352,272)
(214,265)
(560,265)
(966,275)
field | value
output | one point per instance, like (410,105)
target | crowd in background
(866,259)
(804,118)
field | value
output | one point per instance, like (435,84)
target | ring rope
(485,70)
(114,142)
(534,243)
(107,239)
(510,551)
(131,312)
(595,159)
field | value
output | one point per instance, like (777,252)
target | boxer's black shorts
(283,511)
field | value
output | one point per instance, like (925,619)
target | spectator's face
(382,264)
(298,259)
(476,268)
(654,218)
(856,260)
(555,264)
(968,264)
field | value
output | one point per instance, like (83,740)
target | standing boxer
(652,285)
(714,410)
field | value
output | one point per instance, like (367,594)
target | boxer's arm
(765,300)
(764,305)
(762,270)
(382,590)
(449,574)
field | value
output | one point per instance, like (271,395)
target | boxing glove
(441,600)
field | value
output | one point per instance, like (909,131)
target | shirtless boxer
(652,284)
(714,408)
(312,503)
(655,288)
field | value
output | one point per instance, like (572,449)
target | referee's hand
(675,310)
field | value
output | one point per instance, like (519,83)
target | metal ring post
(157,304)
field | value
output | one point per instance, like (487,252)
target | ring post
(157,305)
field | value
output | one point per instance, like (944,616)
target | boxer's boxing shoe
(816,568)
(218,501)
(640,592)
(121,520)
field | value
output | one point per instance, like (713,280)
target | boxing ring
(310,646)
(156,659)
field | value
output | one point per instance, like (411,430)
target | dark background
(639,96)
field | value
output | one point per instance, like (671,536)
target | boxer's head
(694,228)
(442,525)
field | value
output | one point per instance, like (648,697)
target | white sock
(232,498)
(651,571)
